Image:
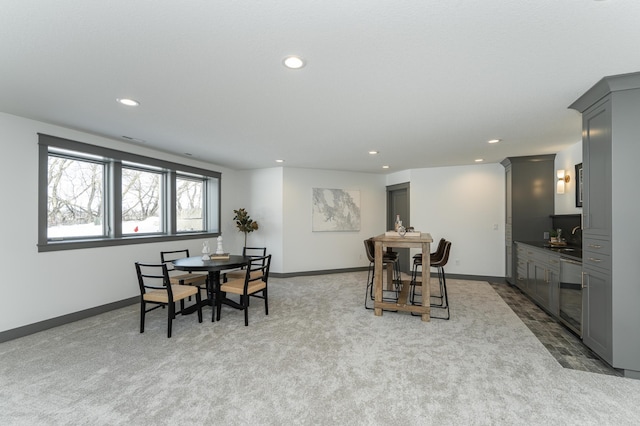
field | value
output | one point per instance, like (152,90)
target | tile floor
(565,346)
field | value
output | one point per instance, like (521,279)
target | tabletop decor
(205,250)
(244,223)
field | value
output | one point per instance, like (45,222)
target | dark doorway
(398,204)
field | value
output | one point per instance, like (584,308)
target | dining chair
(254,281)
(389,258)
(180,277)
(439,264)
(156,289)
(247,252)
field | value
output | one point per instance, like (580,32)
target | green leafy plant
(244,223)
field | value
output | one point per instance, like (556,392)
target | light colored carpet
(318,358)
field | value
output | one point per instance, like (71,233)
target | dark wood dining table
(214,269)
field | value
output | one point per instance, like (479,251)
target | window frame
(113,197)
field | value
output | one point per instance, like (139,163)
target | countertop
(570,252)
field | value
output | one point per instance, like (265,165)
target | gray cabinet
(537,275)
(530,185)
(611,257)
(553,280)
(522,268)
(597,312)
(596,192)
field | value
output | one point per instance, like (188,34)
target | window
(75,194)
(141,201)
(90,196)
(189,202)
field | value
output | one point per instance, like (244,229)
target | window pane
(75,197)
(189,202)
(141,202)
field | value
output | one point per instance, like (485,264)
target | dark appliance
(570,294)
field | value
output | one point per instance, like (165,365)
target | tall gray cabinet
(530,182)
(611,232)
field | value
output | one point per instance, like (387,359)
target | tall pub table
(422,241)
(213,267)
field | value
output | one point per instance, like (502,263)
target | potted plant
(244,223)
(553,235)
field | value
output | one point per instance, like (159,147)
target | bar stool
(417,264)
(439,264)
(389,258)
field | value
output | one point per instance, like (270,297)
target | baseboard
(64,319)
(497,280)
(364,268)
(320,272)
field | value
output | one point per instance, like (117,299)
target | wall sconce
(562,178)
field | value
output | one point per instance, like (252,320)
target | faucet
(573,231)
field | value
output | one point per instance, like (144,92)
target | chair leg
(446,297)
(440,305)
(172,314)
(143,311)
(199,302)
(443,291)
(368,292)
(412,283)
(266,301)
(245,305)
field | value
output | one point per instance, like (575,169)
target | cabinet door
(596,190)
(521,270)
(596,313)
(536,282)
(553,277)
(541,285)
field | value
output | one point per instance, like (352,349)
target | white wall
(52,284)
(266,207)
(305,250)
(566,160)
(462,204)
(465,205)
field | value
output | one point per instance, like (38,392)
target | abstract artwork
(335,210)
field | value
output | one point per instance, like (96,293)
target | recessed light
(128,102)
(494,140)
(279,161)
(479,160)
(373,152)
(293,62)
(385,167)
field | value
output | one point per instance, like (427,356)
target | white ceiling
(425,82)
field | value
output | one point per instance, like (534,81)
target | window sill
(128,240)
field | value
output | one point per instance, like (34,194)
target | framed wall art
(335,210)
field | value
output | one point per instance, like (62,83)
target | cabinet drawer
(597,260)
(596,246)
